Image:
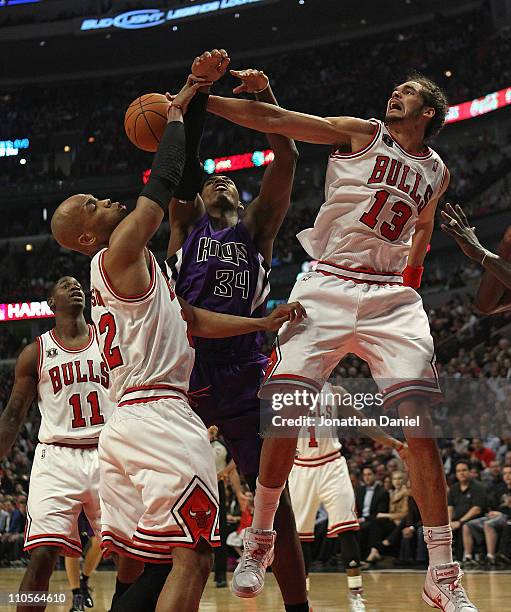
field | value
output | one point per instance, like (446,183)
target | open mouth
(221,187)
(395,105)
(76,294)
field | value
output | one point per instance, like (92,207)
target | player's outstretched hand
(189,89)
(457,225)
(252,81)
(211,65)
(293,312)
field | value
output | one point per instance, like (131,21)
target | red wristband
(412,276)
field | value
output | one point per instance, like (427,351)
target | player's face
(68,293)
(101,215)
(220,191)
(406,102)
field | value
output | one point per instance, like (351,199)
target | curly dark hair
(434,96)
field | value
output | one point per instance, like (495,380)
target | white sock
(266,502)
(439,543)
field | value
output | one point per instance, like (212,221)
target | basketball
(145,120)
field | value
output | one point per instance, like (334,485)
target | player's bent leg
(442,588)
(185,584)
(38,573)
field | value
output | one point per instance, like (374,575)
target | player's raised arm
(412,274)
(207,324)
(456,224)
(187,207)
(266,213)
(272,119)
(125,259)
(22,395)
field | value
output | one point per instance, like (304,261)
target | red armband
(412,276)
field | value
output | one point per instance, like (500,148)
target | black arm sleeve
(194,121)
(168,164)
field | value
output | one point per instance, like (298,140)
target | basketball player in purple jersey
(220,256)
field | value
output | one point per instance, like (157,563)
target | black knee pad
(350,549)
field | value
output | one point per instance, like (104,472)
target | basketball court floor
(385,591)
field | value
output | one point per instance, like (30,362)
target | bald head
(67,225)
(83,223)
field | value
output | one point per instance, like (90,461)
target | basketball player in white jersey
(320,476)
(65,370)
(370,237)
(158,480)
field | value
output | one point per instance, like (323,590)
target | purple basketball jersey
(222,271)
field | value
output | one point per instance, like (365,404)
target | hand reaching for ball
(189,89)
(252,81)
(211,65)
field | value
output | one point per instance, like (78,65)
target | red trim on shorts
(313,465)
(67,551)
(128,298)
(365,149)
(358,281)
(110,547)
(352,527)
(77,349)
(146,400)
(361,270)
(65,445)
(306,537)
(156,387)
(337,453)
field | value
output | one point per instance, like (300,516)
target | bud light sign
(149,18)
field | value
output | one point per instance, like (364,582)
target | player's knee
(195,562)
(42,561)
(350,549)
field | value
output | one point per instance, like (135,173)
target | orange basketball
(145,120)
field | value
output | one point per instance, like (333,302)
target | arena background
(69,69)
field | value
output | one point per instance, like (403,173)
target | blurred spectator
(466,500)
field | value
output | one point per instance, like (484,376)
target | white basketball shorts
(158,483)
(383,324)
(328,484)
(63,481)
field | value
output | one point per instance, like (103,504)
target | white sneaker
(357,604)
(248,577)
(443,590)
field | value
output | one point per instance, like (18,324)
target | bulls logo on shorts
(199,513)
(274,359)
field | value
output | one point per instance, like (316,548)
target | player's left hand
(293,312)
(211,65)
(457,225)
(251,80)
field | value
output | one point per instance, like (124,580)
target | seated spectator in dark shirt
(371,499)
(466,501)
(489,527)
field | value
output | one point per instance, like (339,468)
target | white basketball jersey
(143,338)
(374,198)
(319,445)
(72,391)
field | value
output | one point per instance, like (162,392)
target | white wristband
(484,257)
(264,88)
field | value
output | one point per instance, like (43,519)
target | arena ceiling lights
(150,18)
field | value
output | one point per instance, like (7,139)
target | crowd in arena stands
(311,80)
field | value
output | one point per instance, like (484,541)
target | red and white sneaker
(442,589)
